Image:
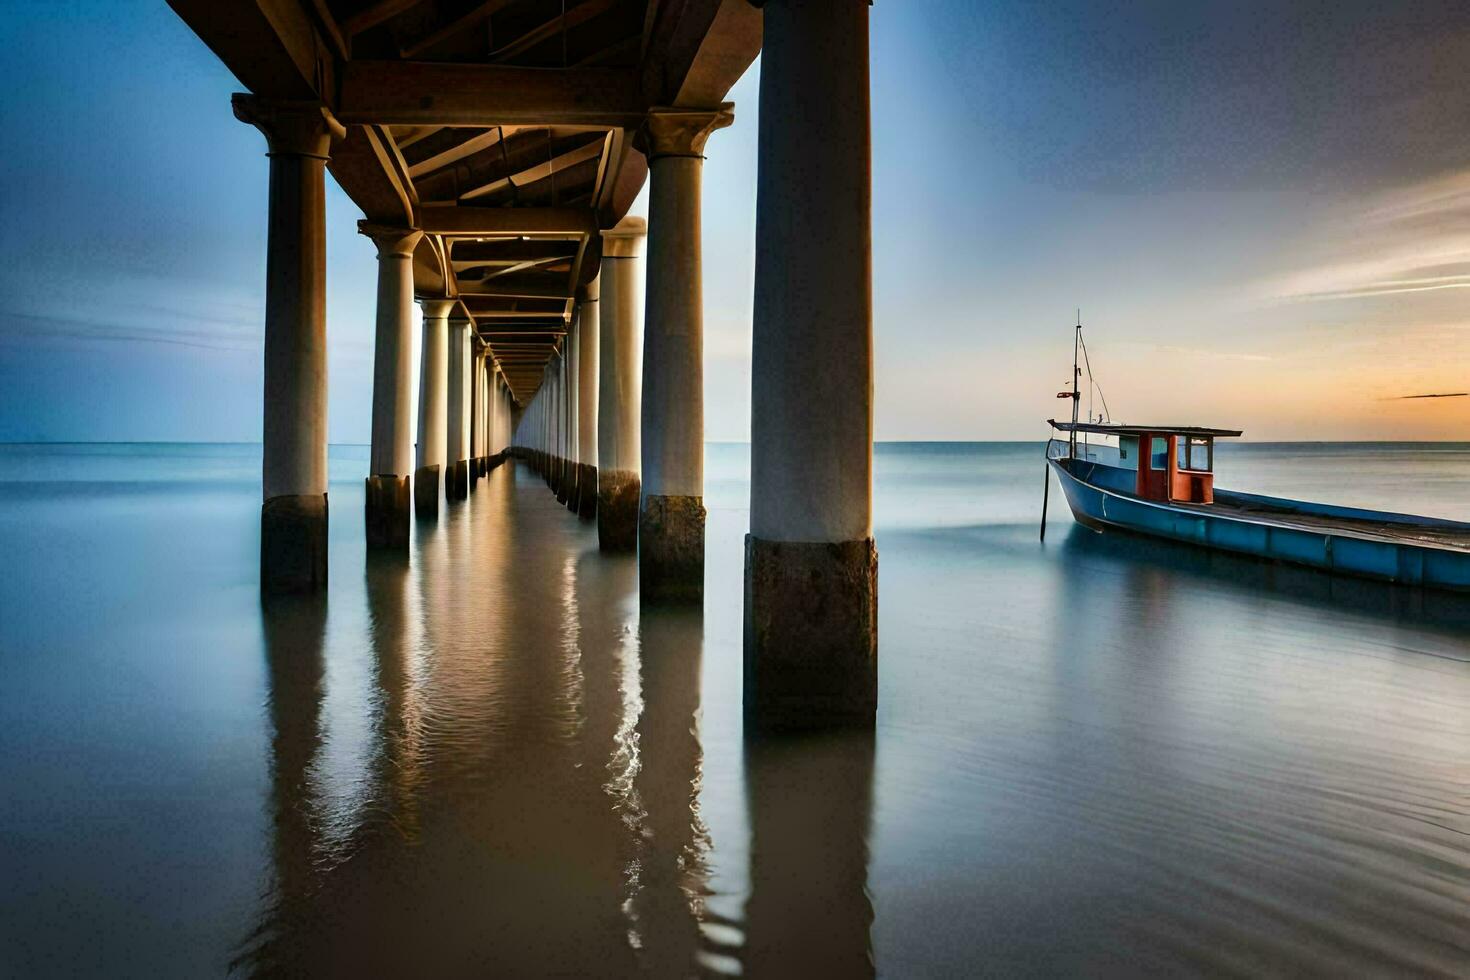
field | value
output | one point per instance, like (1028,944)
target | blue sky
(1260,207)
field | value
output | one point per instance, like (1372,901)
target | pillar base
(671,549)
(560,481)
(811,633)
(573,486)
(617,510)
(586,491)
(457,480)
(473,471)
(426,492)
(293,544)
(386,512)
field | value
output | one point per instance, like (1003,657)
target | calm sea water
(1100,755)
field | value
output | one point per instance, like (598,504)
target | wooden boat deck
(1423,535)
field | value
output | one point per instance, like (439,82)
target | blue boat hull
(1402,562)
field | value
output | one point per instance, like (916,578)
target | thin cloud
(1438,394)
(1410,240)
(36,325)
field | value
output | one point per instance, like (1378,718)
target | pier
(495,150)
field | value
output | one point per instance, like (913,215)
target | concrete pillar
(574,416)
(487,402)
(474,416)
(457,432)
(671,512)
(568,405)
(293,515)
(811,569)
(619,388)
(493,445)
(549,408)
(487,393)
(587,327)
(487,387)
(390,461)
(433,405)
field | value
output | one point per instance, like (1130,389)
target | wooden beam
(564,21)
(501,287)
(505,268)
(540,171)
(329,25)
(476,15)
(374,14)
(466,222)
(394,163)
(359,171)
(507,336)
(724,50)
(273,48)
(506,315)
(420,93)
(459,151)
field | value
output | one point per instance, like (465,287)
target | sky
(1261,208)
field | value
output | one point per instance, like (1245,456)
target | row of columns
(581,431)
(811,565)
(462,402)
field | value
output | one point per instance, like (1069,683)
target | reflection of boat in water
(1159,480)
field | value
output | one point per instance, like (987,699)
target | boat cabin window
(1197,453)
(1159,454)
(1128,452)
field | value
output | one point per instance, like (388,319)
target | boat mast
(1076,394)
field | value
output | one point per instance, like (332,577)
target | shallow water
(1098,755)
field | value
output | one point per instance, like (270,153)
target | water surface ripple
(1097,756)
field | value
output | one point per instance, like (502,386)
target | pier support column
(568,488)
(619,401)
(474,416)
(457,432)
(390,462)
(574,417)
(487,406)
(587,328)
(433,405)
(497,415)
(811,568)
(671,512)
(293,515)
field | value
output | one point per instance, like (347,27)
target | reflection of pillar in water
(809,799)
(398,724)
(676,842)
(293,632)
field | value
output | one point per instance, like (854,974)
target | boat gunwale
(1202,511)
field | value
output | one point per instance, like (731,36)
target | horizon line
(708,442)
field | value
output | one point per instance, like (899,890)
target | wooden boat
(1159,480)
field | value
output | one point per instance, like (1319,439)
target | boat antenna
(1093,383)
(1076,377)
